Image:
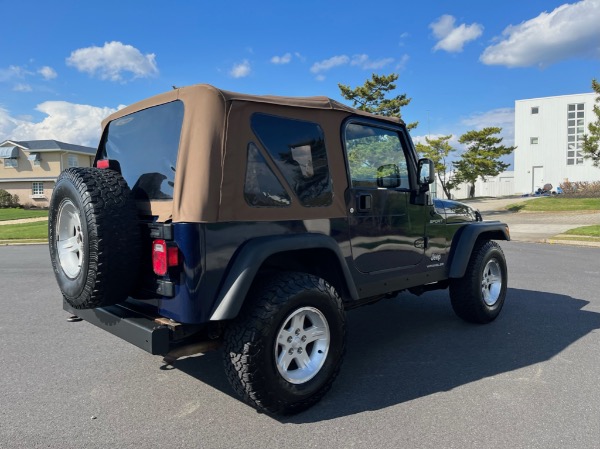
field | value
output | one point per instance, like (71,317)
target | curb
(573,243)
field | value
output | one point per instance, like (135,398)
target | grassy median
(36,231)
(556,204)
(18,214)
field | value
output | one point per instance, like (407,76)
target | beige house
(29,168)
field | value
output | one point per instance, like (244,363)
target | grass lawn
(556,204)
(25,231)
(16,213)
(591,231)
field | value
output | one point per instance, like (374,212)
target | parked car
(255,222)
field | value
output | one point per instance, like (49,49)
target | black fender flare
(464,241)
(250,258)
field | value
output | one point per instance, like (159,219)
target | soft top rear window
(146,144)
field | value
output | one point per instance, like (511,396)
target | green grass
(590,231)
(25,231)
(16,213)
(556,204)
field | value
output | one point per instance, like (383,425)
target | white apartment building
(549,134)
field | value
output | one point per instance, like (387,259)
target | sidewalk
(539,227)
(23,220)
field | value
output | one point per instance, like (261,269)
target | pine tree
(370,97)
(591,142)
(438,150)
(482,156)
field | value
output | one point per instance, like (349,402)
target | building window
(11,163)
(535,110)
(533,140)
(37,189)
(34,158)
(72,161)
(575,132)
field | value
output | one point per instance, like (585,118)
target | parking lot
(414,374)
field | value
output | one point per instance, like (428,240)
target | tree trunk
(472,191)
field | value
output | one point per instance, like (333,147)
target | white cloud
(22,87)
(453,38)
(421,139)
(47,72)
(571,30)
(241,70)
(13,72)
(112,60)
(68,122)
(328,64)
(501,117)
(402,63)
(285,59)
(363,61)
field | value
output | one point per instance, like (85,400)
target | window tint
(298,149)
(262,188)
(373,153)
(146,143)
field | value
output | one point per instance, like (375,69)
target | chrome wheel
(70,243)
(302,345)
(491,282)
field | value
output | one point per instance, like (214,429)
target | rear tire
(94,237)
(285,349)
(479,295)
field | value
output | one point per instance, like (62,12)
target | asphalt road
(415,376)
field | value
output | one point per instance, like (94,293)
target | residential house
(29,168)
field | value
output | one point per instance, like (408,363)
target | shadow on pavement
(403,349)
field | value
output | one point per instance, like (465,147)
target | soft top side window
(298,149)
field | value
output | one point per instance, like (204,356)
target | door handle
(364,202)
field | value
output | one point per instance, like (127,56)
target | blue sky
(64,65)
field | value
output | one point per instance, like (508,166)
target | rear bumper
(130,325)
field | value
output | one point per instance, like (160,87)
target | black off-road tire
(251,343)
(479,295)
(94,237)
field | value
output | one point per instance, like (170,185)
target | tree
(438,150)
(482,156)
(370,97)
(591,143)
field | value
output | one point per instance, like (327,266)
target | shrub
(8,200)
(581,189)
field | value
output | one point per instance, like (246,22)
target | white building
(549,135)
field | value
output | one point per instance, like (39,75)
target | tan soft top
(211,163)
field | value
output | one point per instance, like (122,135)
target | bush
(581,189)
(8,200)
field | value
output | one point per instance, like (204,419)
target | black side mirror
(388,176)
(426,172)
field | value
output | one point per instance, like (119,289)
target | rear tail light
(103,163)
(163,257)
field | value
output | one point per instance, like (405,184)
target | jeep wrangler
(212,218)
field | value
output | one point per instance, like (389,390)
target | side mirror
(426,172)
(388,176)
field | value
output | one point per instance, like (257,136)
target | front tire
(479,295)
(285,349)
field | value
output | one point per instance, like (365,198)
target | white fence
(501,185)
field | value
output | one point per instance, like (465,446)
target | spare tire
(94,237)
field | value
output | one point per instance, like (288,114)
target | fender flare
(464,241)
(250,258)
